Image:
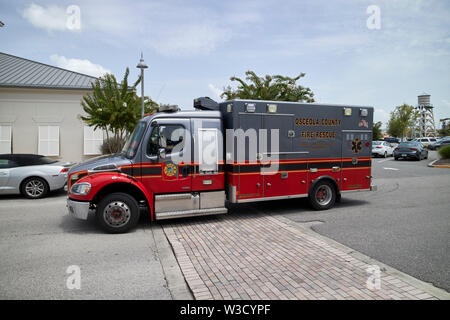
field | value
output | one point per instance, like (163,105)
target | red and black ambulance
(191,163)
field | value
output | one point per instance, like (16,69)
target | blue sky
(194,47)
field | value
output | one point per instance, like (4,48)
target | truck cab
(162,171)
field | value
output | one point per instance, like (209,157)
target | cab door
(166,160)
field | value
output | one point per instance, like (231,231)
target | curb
(439,293)
(176,283)
(431,164)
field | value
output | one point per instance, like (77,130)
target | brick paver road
(258,256)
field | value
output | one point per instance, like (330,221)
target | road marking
(395,169)
(381,161)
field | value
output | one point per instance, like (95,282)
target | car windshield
(408,144)
(376,143)
(130,147)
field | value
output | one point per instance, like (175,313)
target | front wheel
(117,213)
(322,196)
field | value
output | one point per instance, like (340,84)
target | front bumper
(78,209)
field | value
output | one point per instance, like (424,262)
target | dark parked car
(411,149)
(392,140)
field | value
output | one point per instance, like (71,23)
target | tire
(385,155)
(117,213)
(426,157)
(322,195)
(34,188)
(396,158)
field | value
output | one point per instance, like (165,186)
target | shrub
(112,145)
(444,152)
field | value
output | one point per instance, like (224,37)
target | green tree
(404,117)
(277,87)
(115,108)
(376,132)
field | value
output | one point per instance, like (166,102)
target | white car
(382,149)
(426,141)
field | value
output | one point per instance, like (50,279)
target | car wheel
(395,158)
(117,213)
(385,155)
(322,196)
(34,188)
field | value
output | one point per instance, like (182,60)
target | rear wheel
(117,213)
(34,188)
(323,195)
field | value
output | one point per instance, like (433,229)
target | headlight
(80,189)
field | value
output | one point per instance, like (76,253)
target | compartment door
(356,159)
(277,151)
(246,159)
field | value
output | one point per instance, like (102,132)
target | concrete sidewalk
(259,256)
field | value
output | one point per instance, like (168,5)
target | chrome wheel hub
(34,188)
(117,214)
(324,195)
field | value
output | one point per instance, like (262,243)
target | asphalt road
(39,241)
(405,224)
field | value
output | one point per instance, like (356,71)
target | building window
(5,139)
(93,140)
(48,140)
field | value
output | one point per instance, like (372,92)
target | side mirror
(162,137)
(162,153)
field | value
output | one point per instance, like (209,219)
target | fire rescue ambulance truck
(191,163)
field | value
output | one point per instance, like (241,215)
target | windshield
(408,144)
(130,147)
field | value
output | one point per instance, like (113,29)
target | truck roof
(294,102)
(184,114)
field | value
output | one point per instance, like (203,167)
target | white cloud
(190,39)
(49,18)
(216,91)
(79,65)
(381,115)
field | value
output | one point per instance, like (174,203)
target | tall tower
(426,116)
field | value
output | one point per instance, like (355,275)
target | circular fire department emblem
(170,170)
(356,145)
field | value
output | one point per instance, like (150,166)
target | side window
(153,146)
(7,164)
(174,135)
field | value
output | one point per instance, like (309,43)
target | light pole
(141,65)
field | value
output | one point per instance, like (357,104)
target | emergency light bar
(168,108)
(205,103)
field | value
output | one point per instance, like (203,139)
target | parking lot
(404,224)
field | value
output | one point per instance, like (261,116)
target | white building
(40,107)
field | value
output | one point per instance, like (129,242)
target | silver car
(31,175)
